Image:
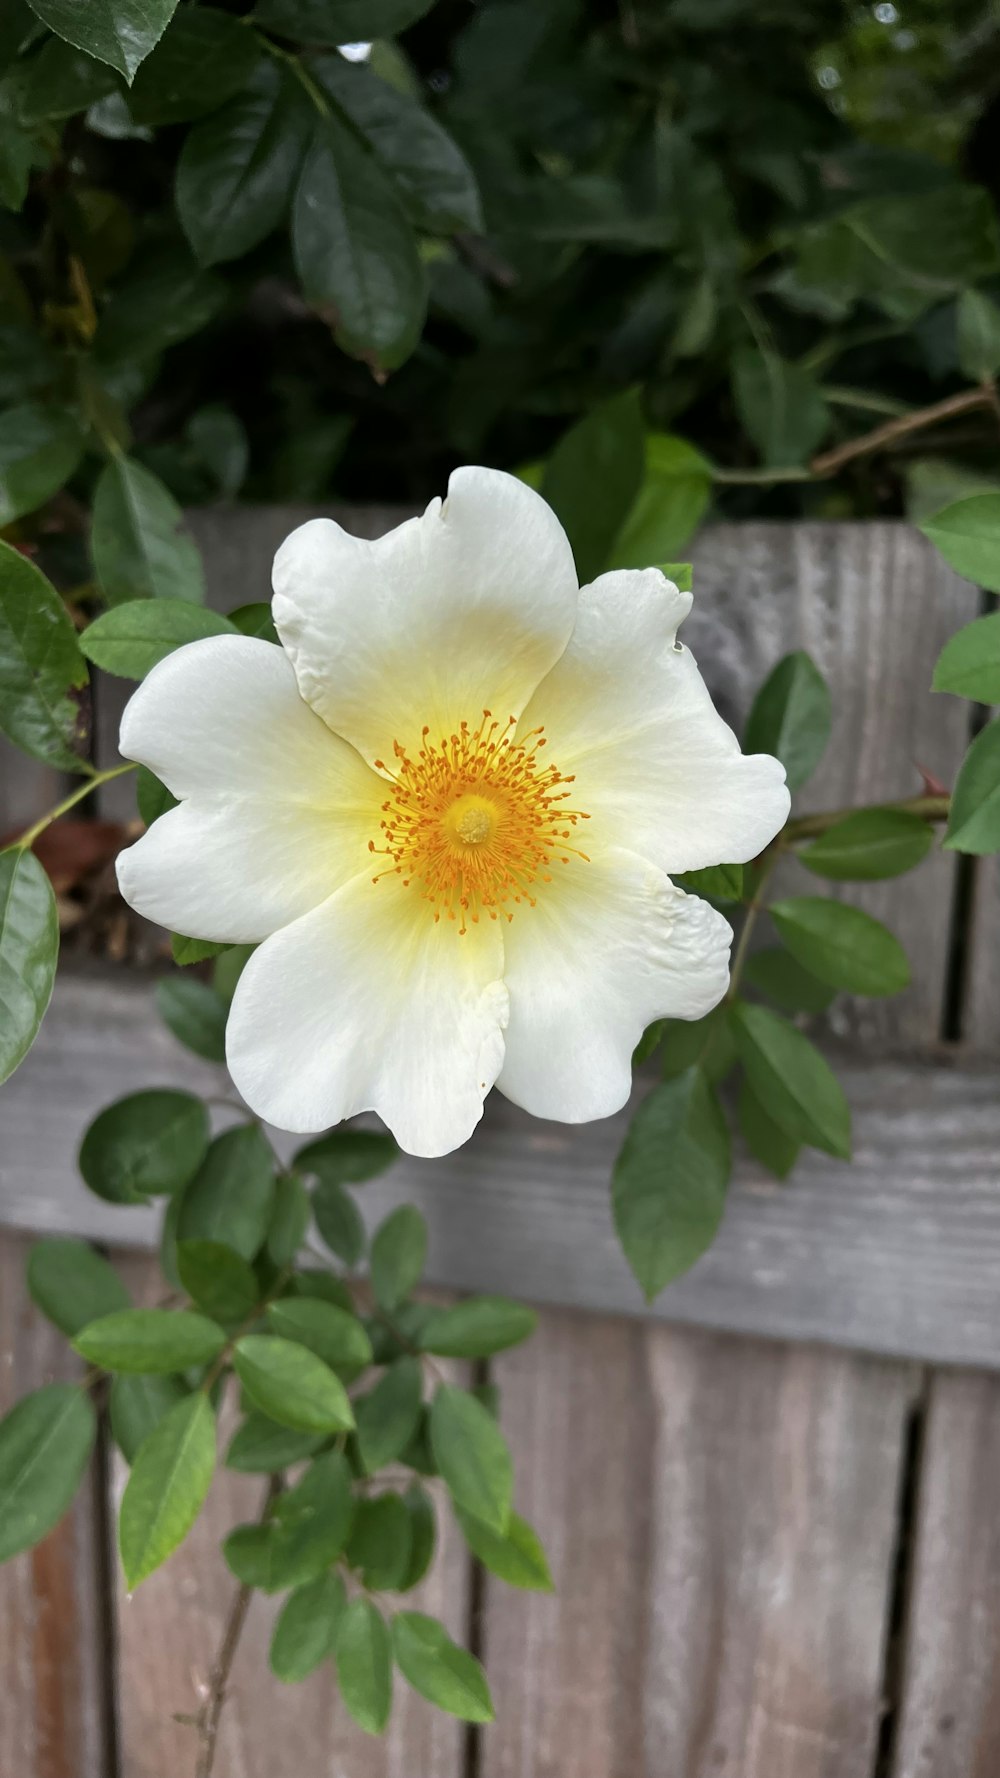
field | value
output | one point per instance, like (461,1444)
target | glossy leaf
(60,81)
(339,1222)
(791,717)
(307,1531)
(41,665)
(515,1555)
(842,945)
(119,32)
(336,1337)
(164,297)
(72,1284)
(423,1536)
(347,1157)
(137,1404)
(231,1197)
(766,1141)
(869,845)
(793,1082)
(974,823)
(593,477)
(139,546)
(670,1178)
(195,1014)
(472,1456)
(40,447)
(29,950)
(45,1443)
(668,508)
(221,1283)
(779,976)
(387,1415)
(305,1634)
(446,1675)
(381,1543)
(399,1248)
(477,1327)
(204,56)
(969,663)
(166,1489)
(364,1665)
(259,1447)
(290,1219)
(291,1385)
(719,882)
(150,1341)
(132,638)
(145,1144)
(968,536)
(237,170)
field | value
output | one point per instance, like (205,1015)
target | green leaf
(387,1416)
(355,249)
(472,1456)
(705,1043)
(193,950)
(164,297)
(152,798)
(339,1222)
(423,1536)
(119,32)
(255,620)
(669,1181)
(259,1447)
(974,823)
(782,978)
(132,638)
(139,546)
(347,1157)
(364,1665)
(330,22)
(841,945)
(228,969)
(435,1666)
(195,1014)
(59,82)
(399,1249)
(305,1634)
(477,1328)
(40,447)
(217,1279)
(311,1282)
(381,1543)
(29,950)
(870,845)
(593,477)
(791,717)
(423,161)
(969,663)
(45,1443)
(40,665)
(72,1284)
(145,1144)
(667,510)
(202,59)
(721,882)
(336,1337)
(231,1198)
(289,1219)
(237,171)
(291,1385)
(166,1490)
(793,1082)
(307,1532)
(146,1341)
(764,1138)
(781,406)
(137,1404)
(978,336)
(515,1555)
(968,536)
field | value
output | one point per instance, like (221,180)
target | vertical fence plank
(169,1633)
(721,1517)
(52,1631)
(949,1716)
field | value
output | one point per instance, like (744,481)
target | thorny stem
(92,782)
(211,1711)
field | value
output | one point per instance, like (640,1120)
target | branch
(210,1714)
(829,462)
(808,827)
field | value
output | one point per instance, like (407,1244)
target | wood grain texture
(898,1252)
(169,1631)
(52,1636)
(949,1716)
(27,788)
(721,1521)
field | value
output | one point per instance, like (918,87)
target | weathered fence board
(949,1724)
(722,1521)
(898,1252)
(53,1721)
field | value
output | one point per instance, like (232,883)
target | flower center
(475,821)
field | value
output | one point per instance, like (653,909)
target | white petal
(224,716)
(235,871)
(609,947)
(366,1005)
(629,715)
(462,610)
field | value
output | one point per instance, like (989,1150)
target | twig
(829,462)
(808,827)
(93,782)
(211,1711)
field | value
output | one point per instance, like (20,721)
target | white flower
(446,809)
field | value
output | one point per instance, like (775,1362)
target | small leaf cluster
(270,1357)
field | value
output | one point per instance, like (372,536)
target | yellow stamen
(475,822)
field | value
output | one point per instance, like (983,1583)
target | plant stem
(829,462)
(211,1711)
(294,62)
(93,782)
(808,827)
(754,907)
